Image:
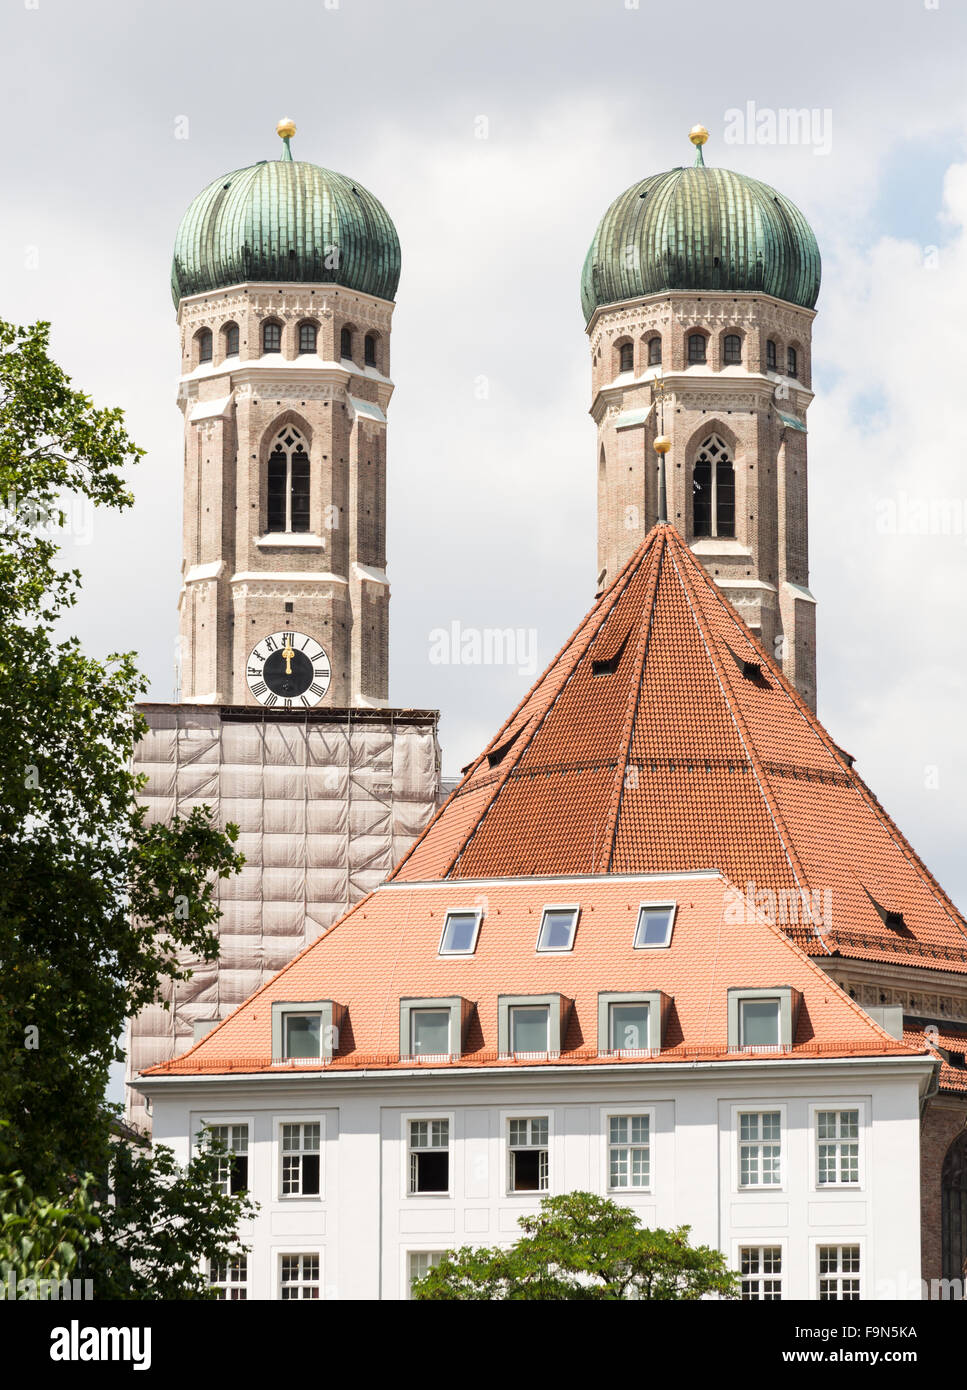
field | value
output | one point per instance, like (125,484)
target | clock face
(288,669)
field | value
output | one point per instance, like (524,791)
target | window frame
(371,361)
(789,1002)
(655,946)
(558,1016)
(838,1104)
(270,323)
(225,336)
(657,1003)
(211,1121)
(691,361)
(331,1016)
(574,908)
(205,336)
(624,349)
(726,360)
(460,912)
(299,448)
(425,1116)
(286,1251)
(406,1251)
(654,361)
(310,351)
(716,529)
(762,1242)
(458,1009)
(792,362)
(227,1284)
(621,1111)
(347,356)
(311,1117)
(533,1112)
(759,1107)
(772,357)
(832,1239)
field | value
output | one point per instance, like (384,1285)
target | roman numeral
(272,700)
(304,701)
(288,704)
(255,670)
(317,689)
(259,689)
(270,644)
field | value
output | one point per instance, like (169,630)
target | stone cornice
(727,306)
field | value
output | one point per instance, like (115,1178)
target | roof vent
(497,755)
(848,758)
(890,917)
(607,665)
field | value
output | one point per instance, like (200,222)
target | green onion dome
(286,220)
(701,229)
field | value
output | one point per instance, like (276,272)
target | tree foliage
(581,1246)
(97,908)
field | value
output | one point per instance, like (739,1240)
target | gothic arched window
(346,343)
(713,490)
(369,350)
(627,358)
(732,356)
(288,483)
(792,365)
(654,352)
(307,337)
(770,356)
(230,334)
(205,345)
(272,337)
(953,1209)
(696,347)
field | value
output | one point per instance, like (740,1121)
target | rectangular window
(460,934)
(759,1023)
(557,929)
(629,1151)
(760,1144)
(302,1035)
(429,1156)
(233,1165)
(838,1140)
(420,1263)
(528,1146)
(760,1269)
(839,1273)
(229,1278)
(299,1277)
(430,1032)
(529,1024)
(628,1027)
(654,926)
(300,1160)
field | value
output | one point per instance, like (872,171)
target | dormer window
(433,1028)
(272,337)
(558,925)
(654,925)
(205,345)
(759,1023)
(306,1031)
(430,1032)
(302,1035)
(531,1025)
(460,933)
(762,1020)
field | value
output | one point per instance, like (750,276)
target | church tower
(284,277)
(706,280)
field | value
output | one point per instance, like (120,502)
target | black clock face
(288,669)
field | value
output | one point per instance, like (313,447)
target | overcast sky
(491,450)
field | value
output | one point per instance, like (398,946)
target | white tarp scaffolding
(326,803)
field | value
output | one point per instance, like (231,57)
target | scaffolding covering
(326,802)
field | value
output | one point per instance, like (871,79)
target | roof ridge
(634,698)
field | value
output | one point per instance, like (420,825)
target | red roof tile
(645,748)
(950,1044)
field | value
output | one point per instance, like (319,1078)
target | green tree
(96,906)
(580,1246)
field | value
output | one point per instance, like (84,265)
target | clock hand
(287,655)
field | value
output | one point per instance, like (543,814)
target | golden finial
(286,128)
(698,135)
(662,444)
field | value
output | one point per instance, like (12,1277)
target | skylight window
(558,925)
(460,933)
(654,927)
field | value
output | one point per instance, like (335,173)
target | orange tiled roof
(949,1043)
(386,949)
(644,747)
